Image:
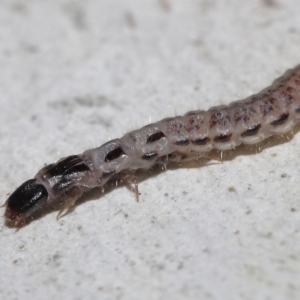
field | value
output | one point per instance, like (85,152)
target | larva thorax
(275,110)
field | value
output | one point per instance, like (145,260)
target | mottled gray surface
(74,74)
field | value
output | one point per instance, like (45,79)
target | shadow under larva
(212,134)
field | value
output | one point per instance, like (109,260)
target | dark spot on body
(174,125)
(202,141)
(194,121)
(171,157)
(64,165)
(266,107)
(223,138)
(76,169)
(114,154)
(254,98)
(282,119)
(252,130)
(212,121)
(155,137)
(289,89)
(297,82)
(287,98)
(149,156)
(219,117)
(242,113)
(182,142)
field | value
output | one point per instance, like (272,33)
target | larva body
(275,110)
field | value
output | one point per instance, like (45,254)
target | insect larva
(273,111)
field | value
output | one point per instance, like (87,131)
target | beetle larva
(273,111)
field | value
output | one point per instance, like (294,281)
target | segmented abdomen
(275,110)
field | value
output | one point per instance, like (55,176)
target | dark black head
(24,200)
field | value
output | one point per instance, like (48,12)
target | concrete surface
(76,73)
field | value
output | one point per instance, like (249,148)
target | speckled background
(74,74)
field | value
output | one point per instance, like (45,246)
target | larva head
(24,200)
(52,182)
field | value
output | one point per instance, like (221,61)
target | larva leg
(70,201)
(210,156)
(132,183)
(180,157)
